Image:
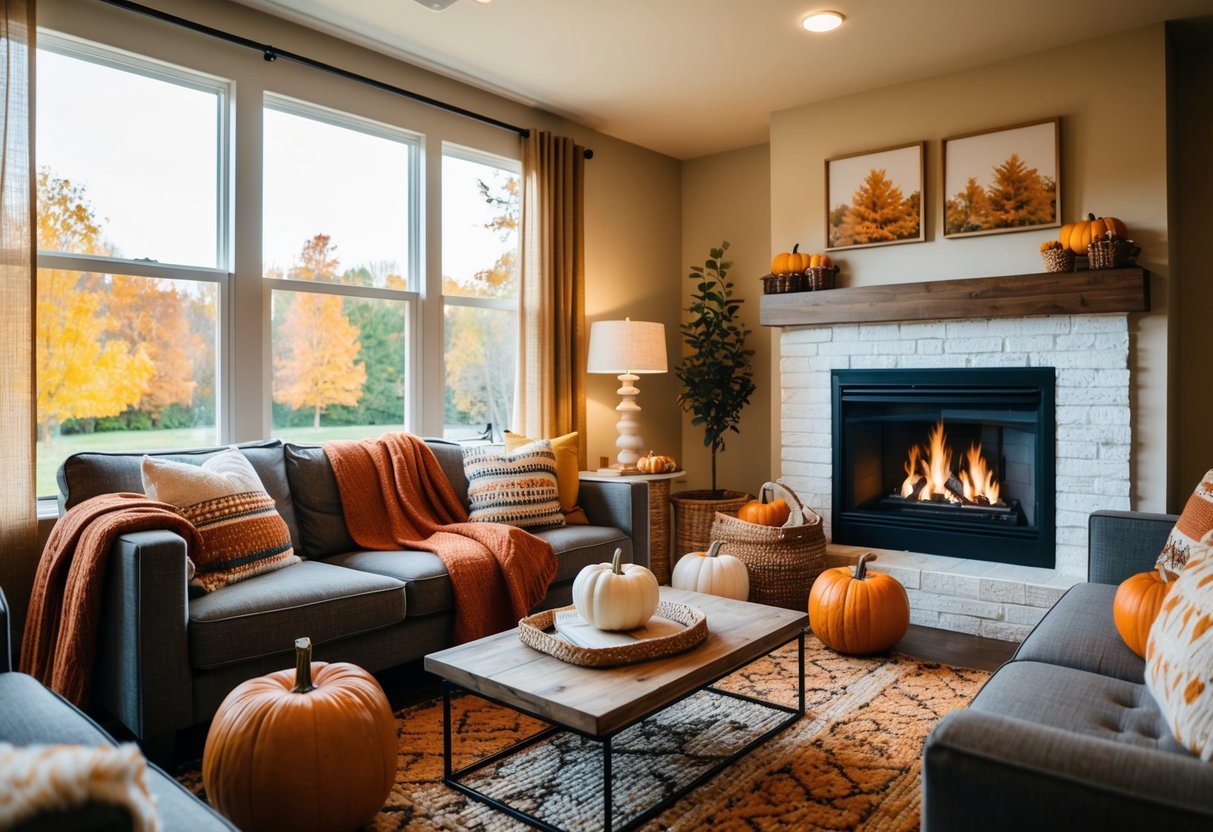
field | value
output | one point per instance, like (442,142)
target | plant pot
(693,515)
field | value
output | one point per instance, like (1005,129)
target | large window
(339,240)
(480,213)
(168,317)
(132,253)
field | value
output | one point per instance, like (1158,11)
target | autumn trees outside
(1018,196)
(119,353)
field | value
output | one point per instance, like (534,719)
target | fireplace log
(957,489)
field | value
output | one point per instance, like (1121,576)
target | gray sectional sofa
(30,714)
(165,662)
(1066,733)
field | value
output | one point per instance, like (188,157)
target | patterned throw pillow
(1179,654)
(1195,522)
(517,488)
(242,533)
(568,472)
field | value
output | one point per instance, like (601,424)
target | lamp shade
(627,346)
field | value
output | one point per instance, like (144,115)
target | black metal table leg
(606,785)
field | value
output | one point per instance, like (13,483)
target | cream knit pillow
(1195,522)
(1179,654)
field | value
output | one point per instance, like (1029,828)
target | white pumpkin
(614,597)
(712,573)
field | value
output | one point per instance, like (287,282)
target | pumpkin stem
(616,566)
(1090,217)
(303,666)
(714,549)
(861,565)
(796,248)
(1162,573)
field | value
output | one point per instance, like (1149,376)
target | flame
(977,480)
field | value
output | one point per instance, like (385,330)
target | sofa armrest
(1123,543)
(1001,773)
(143,672)
(6,650)
(623,504)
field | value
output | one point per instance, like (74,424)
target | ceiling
(693,77)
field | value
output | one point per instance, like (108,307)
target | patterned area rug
(852,762)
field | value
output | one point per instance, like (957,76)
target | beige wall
(1110,94)
(727,197)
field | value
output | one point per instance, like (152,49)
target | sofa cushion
(516,488)
(1179,654)
(241,533)
(1079,701)
(90,474)
(317,501)
(426,582)
(568,471)
(264,615)
(1079,632)
(579,546)
(450,458)
(1194,523)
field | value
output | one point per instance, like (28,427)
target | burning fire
(931,478)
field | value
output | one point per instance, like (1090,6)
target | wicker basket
(817,279)
(778,284)
(694,512)
(1112,254)
(532,631)
(782,561)
(1058,260)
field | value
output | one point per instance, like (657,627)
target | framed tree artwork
(1006,179)
(875,198)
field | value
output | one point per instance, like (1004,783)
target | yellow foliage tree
(82,372)
(317,366)
(154,316)
(1019,196)
(968,210)
(879,212)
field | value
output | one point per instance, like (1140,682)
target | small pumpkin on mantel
(1077,236)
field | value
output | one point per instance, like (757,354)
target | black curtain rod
(271,53)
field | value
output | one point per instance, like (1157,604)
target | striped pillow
(1179,654)
(242,533)
(517,488)
(1195,522)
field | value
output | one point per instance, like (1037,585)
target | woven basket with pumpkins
(1104,241)
(794,271)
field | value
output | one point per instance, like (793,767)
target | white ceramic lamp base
(630,443)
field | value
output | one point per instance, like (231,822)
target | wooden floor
(947,647)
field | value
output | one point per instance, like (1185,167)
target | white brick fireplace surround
(1094,436)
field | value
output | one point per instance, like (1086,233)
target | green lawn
(61,447)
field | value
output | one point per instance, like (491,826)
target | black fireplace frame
(1024,545)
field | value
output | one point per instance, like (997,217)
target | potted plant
(717,382)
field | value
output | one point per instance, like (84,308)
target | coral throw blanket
(65,605)
(395,495)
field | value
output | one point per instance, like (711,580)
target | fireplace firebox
(953,462)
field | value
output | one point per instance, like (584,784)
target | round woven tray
(532,633)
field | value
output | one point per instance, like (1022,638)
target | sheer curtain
(18,516)
(551,344)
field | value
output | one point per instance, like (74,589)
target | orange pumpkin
(308,749)
(790,262)
(860,611)
(1136,605)
(763,513)
(1077,236)
(656,464)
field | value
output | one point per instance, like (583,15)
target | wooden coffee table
(598,703)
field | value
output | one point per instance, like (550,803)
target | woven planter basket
(694,512)
(782,561)
(1058,260)
(779,284)
(818,279)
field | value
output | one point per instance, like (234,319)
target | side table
(659,515)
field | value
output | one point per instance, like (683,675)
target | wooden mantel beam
(1008,296)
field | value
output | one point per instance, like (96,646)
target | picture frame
(1002,180)
(893,176)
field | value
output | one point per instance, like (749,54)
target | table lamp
(626,348)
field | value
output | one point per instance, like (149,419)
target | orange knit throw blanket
(395,495)
(65,605)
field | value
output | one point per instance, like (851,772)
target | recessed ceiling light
(823,21)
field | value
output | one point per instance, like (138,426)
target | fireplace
(955,462)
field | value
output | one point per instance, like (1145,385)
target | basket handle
(796,515)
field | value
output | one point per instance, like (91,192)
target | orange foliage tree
(317,364)
(879,212)
(1019,195)
(83,370)
(968,210)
